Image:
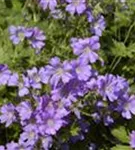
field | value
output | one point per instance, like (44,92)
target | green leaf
(98,9)
(17,5)
(119,49)
(121,147)
(121,134)
(122,19)
(131,50)
(74,130)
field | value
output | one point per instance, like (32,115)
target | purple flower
(17,146)
(36,77)
(36,38)
(52,123)
(108,120)
(132,139)
(81,70)
(92,83)
(57,71)
(24,86)
(49,116)
(98,25)
(7,114)
(5,74)
(17,34)
(48,3)
(47,142)
(2,147)
(90,16)
(76,6)
(13,80)
(70,91)
(128,107)
(86,48)
(24,109)
(43,101)
(12,146)
(96,116)
(112,87)
(61,109)
(92,146)
(76,138)
(30,135)
(85,126)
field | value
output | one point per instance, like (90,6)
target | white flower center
(96,25)
(126,106)
(10,115)
(31,135)
(50,122)
(78,70)
(59,71)
(87,50)
(76,2)
(36,77)
(21,148)
(21,36)
(20,85)
(109,88)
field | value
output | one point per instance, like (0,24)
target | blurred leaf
(121,147)
(74,130)
(121,134)
(122,18)
(120,50)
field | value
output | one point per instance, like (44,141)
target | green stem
(112,64)
(85,113)
(126,38)
(26,4)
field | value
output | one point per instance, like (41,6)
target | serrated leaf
(122,19)
(121,134)
(131,50)
(119,49)
(98,9)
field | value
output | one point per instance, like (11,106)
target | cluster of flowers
(33,36)
(77,7)
(38,122)
(68,81)
(41,120)
(115,98)
(73,6)
(42,115)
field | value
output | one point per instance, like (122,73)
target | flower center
(10,115)
(87,50)
(21,148)
(36,77)
(78,70)
(126,106)
(59,71)
(96,25)
(76,2)
(109,88)
(50,122)
(20,85)
(32,134)
(21,36)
